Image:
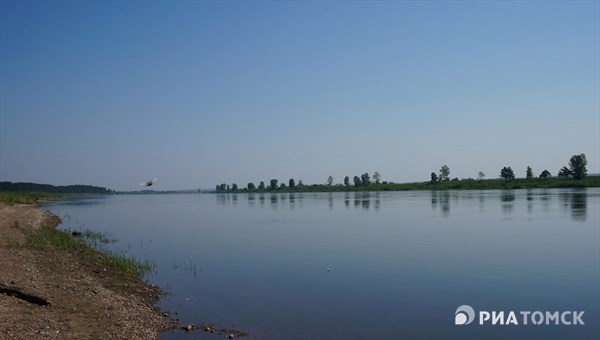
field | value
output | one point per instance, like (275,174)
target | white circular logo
(464,315)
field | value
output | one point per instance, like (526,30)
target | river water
(393,265)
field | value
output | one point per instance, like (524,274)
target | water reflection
(573,201)
(365,200)
(362,200)
(579,205)
(441,198)
(507,197)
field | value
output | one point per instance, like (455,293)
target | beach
(79,296)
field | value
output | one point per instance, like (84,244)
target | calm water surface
(399,263)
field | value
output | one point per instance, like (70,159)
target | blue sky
(111,93)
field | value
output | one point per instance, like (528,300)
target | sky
(112,93)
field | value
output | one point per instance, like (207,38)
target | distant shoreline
(465,184)
(591,181)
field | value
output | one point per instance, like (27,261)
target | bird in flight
(149,183)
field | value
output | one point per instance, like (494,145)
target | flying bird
(149,183)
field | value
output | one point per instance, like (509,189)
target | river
(362,265)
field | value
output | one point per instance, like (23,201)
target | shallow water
(361,265)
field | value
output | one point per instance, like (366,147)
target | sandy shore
(87,300)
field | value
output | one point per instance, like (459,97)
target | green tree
(273,185)
(282,186)
(234,187)
(261,185)
(222,187)
(292,183)
(357,181)
(565,172)
(545,174)
(300,184)
(507,173)
(577,165)
(529,174)
(434,178)
(347,181)
(444,173)
(329,180)
(480,175)
(218,188)
(228,188)
(365,179)
(251,186)
(377,177)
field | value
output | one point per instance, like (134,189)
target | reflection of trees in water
(441,198)
(366,200)
(576,202)
(545,196)
(507,198)
(445,202)
(363,200)
(261,199)
(274,201)
(224,199)
(529,195)
(579,205)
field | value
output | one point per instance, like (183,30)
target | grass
(27,197)
(86,246)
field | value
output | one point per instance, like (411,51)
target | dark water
(399,263)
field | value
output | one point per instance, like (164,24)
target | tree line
(364,180)
(59,189)
(576,169)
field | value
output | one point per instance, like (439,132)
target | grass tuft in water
(127,264)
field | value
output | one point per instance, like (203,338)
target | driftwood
(19,294)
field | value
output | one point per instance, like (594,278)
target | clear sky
(112,93)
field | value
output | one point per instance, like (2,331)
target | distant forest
(59,189)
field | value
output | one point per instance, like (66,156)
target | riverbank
(87,296)
(455,184)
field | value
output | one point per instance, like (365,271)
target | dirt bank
(87,299)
